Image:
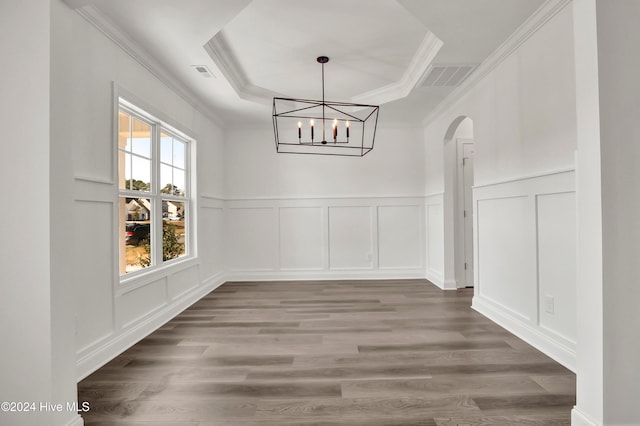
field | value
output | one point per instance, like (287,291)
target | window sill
(127,284)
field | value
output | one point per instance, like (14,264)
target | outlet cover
(549,304)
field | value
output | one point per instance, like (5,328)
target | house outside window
(154,192)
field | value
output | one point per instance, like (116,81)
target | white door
(467,185)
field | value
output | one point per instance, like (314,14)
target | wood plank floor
(374,353)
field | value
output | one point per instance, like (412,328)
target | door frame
(463,225)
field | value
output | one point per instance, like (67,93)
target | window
(154,198)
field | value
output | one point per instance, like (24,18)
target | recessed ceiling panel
(273,44)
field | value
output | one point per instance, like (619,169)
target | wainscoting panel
(326,238)
(93,278)
(211,240)
(141,302)
(505,258)
(525,259)
(400,237)
(302,238)
(182,281)
(351,238)
(253,243)
(435,239)
(557,240)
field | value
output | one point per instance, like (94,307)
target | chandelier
(303,126)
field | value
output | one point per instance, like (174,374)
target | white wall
(63,337)
(608,207)
(524,128)
(620,153)
(25,305)
(111,316)
(393,169)
(589,366)
(302,216)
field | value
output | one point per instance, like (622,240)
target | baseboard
(560,353)
(450,285)
(76,421)
(578,418)
(436,278)
(114,346)
(379,274)
(439,280)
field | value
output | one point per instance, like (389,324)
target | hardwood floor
(374,353)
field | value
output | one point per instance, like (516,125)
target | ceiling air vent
(447,75)
(203,70)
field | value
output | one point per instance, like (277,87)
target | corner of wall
(450,285)
(578,418)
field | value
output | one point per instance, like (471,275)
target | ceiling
(405,55)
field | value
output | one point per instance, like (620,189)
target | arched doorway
(458,203)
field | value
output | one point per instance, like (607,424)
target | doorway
(457,201)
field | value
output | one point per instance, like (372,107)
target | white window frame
(158,127)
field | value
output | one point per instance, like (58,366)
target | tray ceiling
(382,51)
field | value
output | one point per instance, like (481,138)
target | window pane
(124,170)
(141,174)
(165,148)
(141,138)
(166,179)
(178,182)
(173,230)
(124,131)
(135,234)
(178,153)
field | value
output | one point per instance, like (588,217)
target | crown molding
(218,49)
(412,77)
(220,52)
(538,19)
(93,16)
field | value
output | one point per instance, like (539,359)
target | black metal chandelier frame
(330,111)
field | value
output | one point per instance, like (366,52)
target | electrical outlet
(549,304)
